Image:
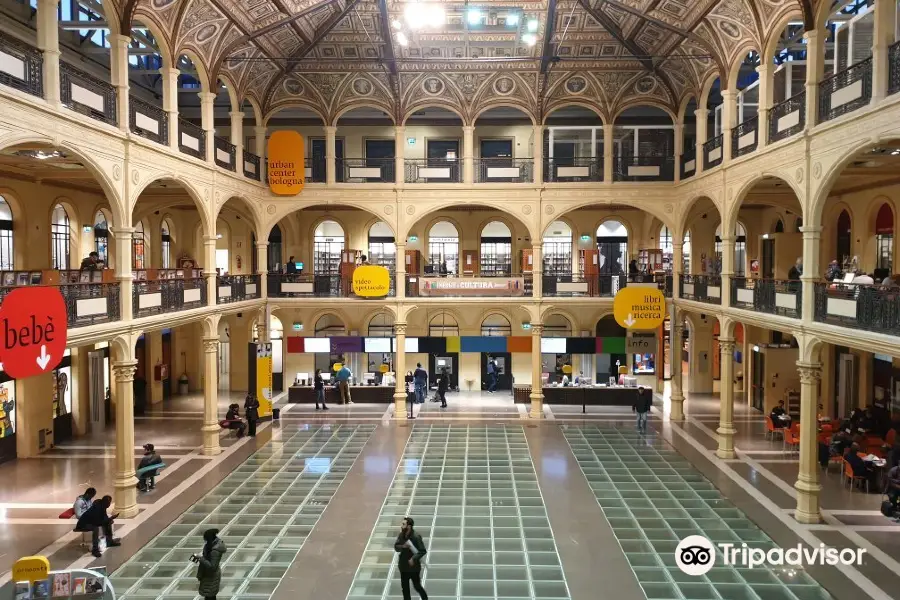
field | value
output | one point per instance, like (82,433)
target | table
(363,394)
(583,395)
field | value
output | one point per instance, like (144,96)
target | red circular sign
(33,329)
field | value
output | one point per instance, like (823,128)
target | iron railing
(188,132)
(86,94)
(701,288)
(224,153)
(251,166)
(236,288)
(741,142)
(712,152)
(295,285)
(858,76)
(24,67)
(867,307)
(579,169)
(595,286)
(795,105)
(894,68)
(91,303)
(504,170)
(689,162)
(148,121)
(315,170)
(167,295)
(432,170)
(644,168)
(366,170)
(772,296)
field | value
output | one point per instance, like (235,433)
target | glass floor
(473,493)
(264,510)
(653,498)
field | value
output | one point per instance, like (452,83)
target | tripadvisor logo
(696,555)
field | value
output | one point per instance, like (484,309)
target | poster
(263,387)
(7,408)
(62,391)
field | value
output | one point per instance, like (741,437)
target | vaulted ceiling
(328,55)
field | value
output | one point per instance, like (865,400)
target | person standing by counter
(420,378)
(319,389)
(343,379)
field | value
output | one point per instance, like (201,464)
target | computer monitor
(326,376)
(368,377)
(299,266)
(429,269)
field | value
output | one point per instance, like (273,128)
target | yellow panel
(639,308)
(452,344)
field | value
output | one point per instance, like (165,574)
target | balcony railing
(314,170)
(225,153)
(191,139)
(894,68)
(868,307)
(148,121)
(701,288)
(845,91)
(167,295)
(689,162)
(22,66)
(90,303)
(236,288)
(745,137)
(787,118)
(644,168)
(283,285)
(772,296)
(482,286)
(86,94)
(712,152)
(367,170)
(504,170)
(432,170)
(579,169)
(251,166)
(595,286)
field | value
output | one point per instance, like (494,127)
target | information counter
(362,394)
(580,395)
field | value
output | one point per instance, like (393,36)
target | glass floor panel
(653,497)
(473,493)
(265,509)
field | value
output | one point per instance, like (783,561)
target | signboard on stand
(34,329)
(260,376)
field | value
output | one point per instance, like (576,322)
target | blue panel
(482,344)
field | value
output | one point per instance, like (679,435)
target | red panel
(518,343)
(295,345)
(884,222)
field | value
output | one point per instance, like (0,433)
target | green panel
(613,345)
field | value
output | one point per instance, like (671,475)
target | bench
(69,514)
(155,469)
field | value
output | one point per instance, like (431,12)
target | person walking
(251,412)
(492,375)
(443,384)
(343,378)
(319,389)
(642,403)
(209,572)
(420,379)
(412,550)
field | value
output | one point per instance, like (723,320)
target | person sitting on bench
(94,519)
(147,478)
(233,420)
(83,502)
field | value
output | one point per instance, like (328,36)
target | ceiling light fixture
(512,20)
(396,24)
(419,15)
(532,25)
(530,39)
(401,38)
(474,16)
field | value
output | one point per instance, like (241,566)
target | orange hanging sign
(286,169)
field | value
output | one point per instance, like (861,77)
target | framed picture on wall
(9,278)
(22,279)
(35,278)
(85,276)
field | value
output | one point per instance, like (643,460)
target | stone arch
(335,312)
(742,192)
(257,111)
(735,68)
(371,315)
(500,207)
(582,104)
(771,42)
(646,102)
(496,312)
(689,207)
(232,91)
(247,205)
(74,227)
(186,184)
(504,104)
(706,88)
(685,102)
(148,21)
(497,219)
(293,103)
(653,211)
(568,316)
(362,104)
(202,72)
(550,220)
(876,203)
(410,111)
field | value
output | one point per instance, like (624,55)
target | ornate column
(537,271)
(207,119)
(209,269)
(123,239)
(885,22)
(400,371)
(237,138)
(48,43)
(330,167)
(538,154)
(211,396)
(537,392)
(726,429)
(125,482)
(118,63)
(609,156)
(262,268)
(400,274)
(766,99)
(727,268)
(807,485)
(729,120)
(676,412)
(812,237)
(679,148)
(399,154)
(468,154)
(701,116)
(259,142)
(170,102)
(815,70)
(677,265)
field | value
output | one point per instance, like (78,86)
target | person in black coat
(251,411)
(443,385)
(411,547)
(94,519)
(319,389)
(642,403)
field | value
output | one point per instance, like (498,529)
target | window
(60,238)
(382,246)
(328,244)
(101,237)
(6,238)
(381,325)
(443,246)
(557,326)
(496,326)
(668,249)
(329,325)
(166,246)
(496,250)
(740,248)
(884,238)
(443,325)
(612,243)
(557,249)
(137,247)
(274,250)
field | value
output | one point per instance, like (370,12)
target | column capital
(210,239)
(259,129)
(537,329)
(811,232)
(122,232)
(400,328)
(399,128)
(729,94)
(206,97)
(260,245)
(810,373)
(468,128)
(811,34)
(123,371)
(763,67)
(331,129)
(726,346)
(236,114)
(210,344)
(701,112)
(118,38)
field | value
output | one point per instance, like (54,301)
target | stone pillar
(729,120)
(399,154)
(170,102)
(676,412)
(677,265)
(468,154)
(812,237)
(815,71)
(726,429)
(207,116)
(330,152)
(209,269)
(885,22)
(807,485)
(701,116)
(538,153)
(118,63)
(211,396)
(679,148)
(48,43)
(727,268)
(260,147)
(537,392)
(609,156)
(153,348)
(766,100)
(537,271)
(237,138)
(400,371)
(400,275)
(125,482)
(262,268)
(123,240)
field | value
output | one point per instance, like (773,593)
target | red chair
(851,477)
(890,437)
(771,429)
(791,441)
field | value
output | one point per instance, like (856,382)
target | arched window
(884,238)
(60,238)
(329,325)
(443,247)
(137,247)
(844,237)
(557,325)
(496,249)
(7,255)
(254,256)
(557,249)
(443,325)
(667,245)
(740,248)
(779,226)
(274,252)
(496,326)
(381,325)
(101,236)
(382,246)
(166,245)
(612,242)
(328,244)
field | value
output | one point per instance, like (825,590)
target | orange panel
(518,343)
(286,167)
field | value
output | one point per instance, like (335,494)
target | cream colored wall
(863,208)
